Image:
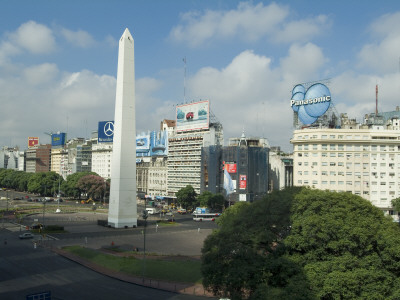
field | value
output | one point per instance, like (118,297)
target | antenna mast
(376,100)
(184,80)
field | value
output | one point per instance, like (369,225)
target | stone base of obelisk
(122,223)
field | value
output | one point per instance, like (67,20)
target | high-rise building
(358,158)
(38,158)
(194,130)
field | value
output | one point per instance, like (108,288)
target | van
(152,210)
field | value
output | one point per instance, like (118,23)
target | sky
(58,62)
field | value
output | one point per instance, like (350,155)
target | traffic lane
(25,270)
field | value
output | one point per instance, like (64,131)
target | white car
(26,235)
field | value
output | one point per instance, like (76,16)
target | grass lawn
(174,270)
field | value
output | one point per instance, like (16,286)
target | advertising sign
(159,143)
(58,139)
(231,168)
(242,182)
(310,104)
(33,141)
(105,133)
(143,142)
(193,116)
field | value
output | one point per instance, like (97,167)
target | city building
(194,130)
(101,159)
(246,160)
(9,157)
(38,159)
(280,169)
(358,158)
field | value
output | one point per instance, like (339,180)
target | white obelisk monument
(123,205)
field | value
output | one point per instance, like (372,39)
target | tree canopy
(303,244)
(186,197)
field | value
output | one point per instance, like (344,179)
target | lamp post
(144,215)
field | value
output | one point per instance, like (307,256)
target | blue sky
(58,61)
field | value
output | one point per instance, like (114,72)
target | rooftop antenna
(184,80)
(376,100)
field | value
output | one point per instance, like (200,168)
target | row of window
(342,137)
(341,173)
(347,164)
(351,147)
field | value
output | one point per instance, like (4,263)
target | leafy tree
(345,245)
(94,186)
(303,244)
(186,197)
(396,204)
(70,187)
(213,201)
(43,183)
(242,259)
(204,198)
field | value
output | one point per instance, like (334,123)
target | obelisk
(123,205)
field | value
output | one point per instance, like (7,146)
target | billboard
(105,133)
(33,141)
(159,143)
(58,139)
(312,103)
(231,167)
(242,182)
(143,142)
(193,116)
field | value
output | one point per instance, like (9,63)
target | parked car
(182,211)
(26,235)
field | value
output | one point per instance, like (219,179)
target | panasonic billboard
(312,103)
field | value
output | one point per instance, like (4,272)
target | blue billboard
(105,132)
(143,143)
(58,139)
(312,103)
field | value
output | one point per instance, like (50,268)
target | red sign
(242,182)
(33,141)
(230,168)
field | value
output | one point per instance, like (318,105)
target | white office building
(363,159)
(101,159)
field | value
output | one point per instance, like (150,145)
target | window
(365,166)
(305,146)
(349,183)
(332,136)
(349,147)
(300,147)
(340,173)
(340,147)
(324,163)
(340,182)
(332,154)
(332,147)
(340,164)
(315,163)
(306,163)
(324,182)
(300,172)
(332,164)
(324,146)
(305,172)
(315,147)
(323,173)
(324,154)
(332,182)
(332,173)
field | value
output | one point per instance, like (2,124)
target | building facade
(362,159)
(184,156)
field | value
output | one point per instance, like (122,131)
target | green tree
(70,187)
(396,204)
(303,244)
(94,186)
(43,183)
(204,198)
(186,197)
(346,246)
(243,257)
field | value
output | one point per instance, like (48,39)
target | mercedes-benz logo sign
(109,129)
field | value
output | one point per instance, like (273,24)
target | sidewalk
(181,288)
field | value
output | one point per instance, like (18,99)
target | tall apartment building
(9,158)
(362,159)
(184,156)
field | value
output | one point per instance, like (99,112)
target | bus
(205,217)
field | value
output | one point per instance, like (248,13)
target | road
(26,270)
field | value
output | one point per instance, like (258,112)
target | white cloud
(78,38)
(383,54)
(303,63)
(248,23)
(33,37)
(40,74)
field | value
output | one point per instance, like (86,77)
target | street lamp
(144,215)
